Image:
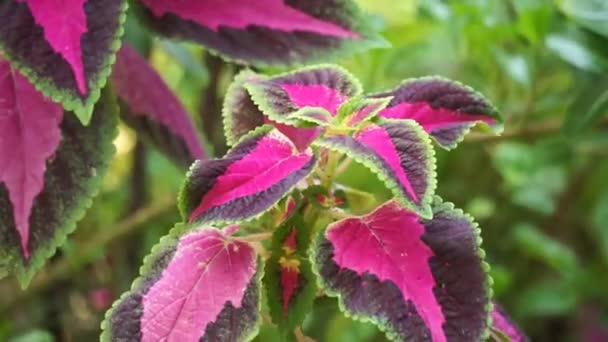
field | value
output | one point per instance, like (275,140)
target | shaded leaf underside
(152,108)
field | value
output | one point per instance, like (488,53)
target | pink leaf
(201,285)
(64,23)
(503,323)
(247,181)
(208,271)
(378,244)
(29,135)
(419,280)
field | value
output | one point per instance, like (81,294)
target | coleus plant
(270,221)
(58,118)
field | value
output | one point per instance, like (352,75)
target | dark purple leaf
(153,109)
(445,109)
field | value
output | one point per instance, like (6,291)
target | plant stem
(256,237)
(333,158)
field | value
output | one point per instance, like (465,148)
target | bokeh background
(539,191)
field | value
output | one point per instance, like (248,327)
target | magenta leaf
(288,278)
(445,109)
(265,32)
(199,285)
(503,325)
(323,88)
(400,153)
(418,280)
(152,109)
(250,179)
(312,94)
(29,127)
(65,48)
(50,167)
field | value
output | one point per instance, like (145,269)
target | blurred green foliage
(540,192)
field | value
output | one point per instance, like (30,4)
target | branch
(65,268)
(530,132)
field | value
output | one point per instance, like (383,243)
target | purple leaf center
(432,118)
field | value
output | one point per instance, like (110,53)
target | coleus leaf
(503,325)
(149,106)
(50,168)
(445,109)
(312,94)
(288,278)
(416,279)
(65,48)
(399,152)
(199,285)
(249,180)
(265,32)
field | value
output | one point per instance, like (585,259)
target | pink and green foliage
(413,266)
(50,166)
(58,55)
(67,48)
(201,284)
(288,277)
(150,106)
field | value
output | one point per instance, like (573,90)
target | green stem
(333,158)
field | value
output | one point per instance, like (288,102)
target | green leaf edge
(181,201)
(424,209)
(169,241)
(305,299)
(83,111)
(494,113)
(230,99)
(358,103)
(38,258)
(438,204)
(259,98)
